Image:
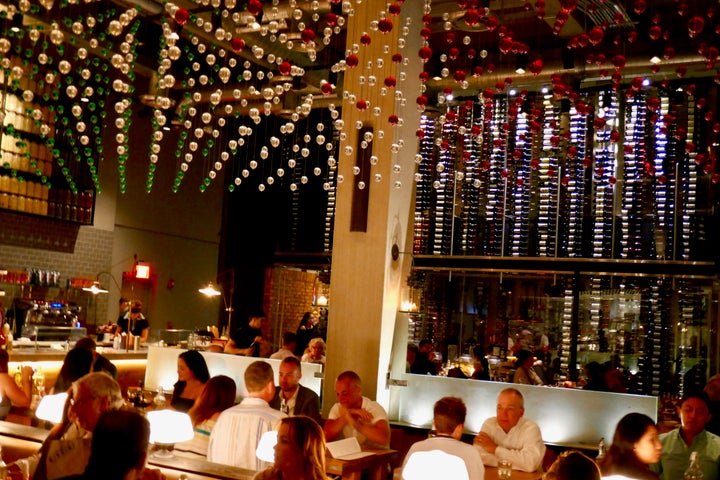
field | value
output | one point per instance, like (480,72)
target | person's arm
(231,347)
(335,423)
(144,334)
(19,397)
(528,457)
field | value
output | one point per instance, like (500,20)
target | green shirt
(676,455)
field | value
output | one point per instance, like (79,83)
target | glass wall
(657,334)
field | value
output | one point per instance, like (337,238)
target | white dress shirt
(522,445)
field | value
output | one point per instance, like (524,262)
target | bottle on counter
(693,472)
(601,450)
(8,337)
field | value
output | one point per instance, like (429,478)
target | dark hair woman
(192,375)
(635,446)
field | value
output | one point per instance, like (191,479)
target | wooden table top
(491,473)
(337,467)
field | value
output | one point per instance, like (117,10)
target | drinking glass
(504,469)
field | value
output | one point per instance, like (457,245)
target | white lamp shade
(265,450)
(168,427)
(434,464)
(51,407)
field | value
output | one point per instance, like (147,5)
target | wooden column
(367,283)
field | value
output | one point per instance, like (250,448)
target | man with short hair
(356,416)
(292,398)
(511,436)
(423,365)
(237,432)
(289,342)
(449,422)
(691,436)
(66,449)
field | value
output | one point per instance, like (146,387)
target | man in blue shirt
(691,436)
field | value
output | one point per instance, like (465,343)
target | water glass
(504,469)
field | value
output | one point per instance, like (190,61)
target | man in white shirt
(356,416)
(448,422)
(510,436)
(289,342)
(237,432)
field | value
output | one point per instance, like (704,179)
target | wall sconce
(168,427)
(97,287)
(51,407)
(408,306)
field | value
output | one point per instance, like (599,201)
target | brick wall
(288,295)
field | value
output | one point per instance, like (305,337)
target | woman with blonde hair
(315,352)
(299,452)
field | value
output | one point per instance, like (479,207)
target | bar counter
(130,364)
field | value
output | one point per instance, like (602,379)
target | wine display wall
(534,176)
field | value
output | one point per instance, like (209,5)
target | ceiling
(216,59)
(275,32)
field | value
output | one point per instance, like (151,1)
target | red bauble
(255,7)
(285,68)
(327,88)
(362,105)
(385,25)
(352,60)
(237,44)
(390,81)
(182,16)
(393,119)
(308,35)
(425,53)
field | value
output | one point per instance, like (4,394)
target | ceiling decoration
(222,70)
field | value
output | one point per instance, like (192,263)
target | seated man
(237,432)
(66,449)
(356,416)
(291,397)
(448,421)
(691,436)
(510,436)
(289,342)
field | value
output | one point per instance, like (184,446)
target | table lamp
(265,450)
(434,464)
(168,427)
(51,407)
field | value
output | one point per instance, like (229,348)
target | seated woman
(192,375)
(217,395)
(299,453)
(524,372)
(10,393)
(480,364)
(635,446)
(316,351)
(77,363)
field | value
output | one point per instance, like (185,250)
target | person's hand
(26,372)
(14,472)
(152,474)
(258,339)
(484,441)
(361,414)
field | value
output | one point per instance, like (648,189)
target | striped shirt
(237,432)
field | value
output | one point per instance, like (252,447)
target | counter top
(47,354)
